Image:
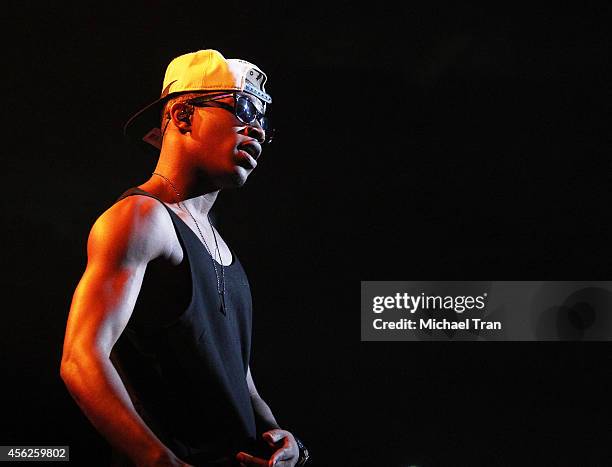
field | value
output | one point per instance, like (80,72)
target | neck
(180,178)
(173,185)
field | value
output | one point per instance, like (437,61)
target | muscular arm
(121,243)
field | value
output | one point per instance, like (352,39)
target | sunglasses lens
(265,123)
(248,113)
(245,110)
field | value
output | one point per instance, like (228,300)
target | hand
(286,452)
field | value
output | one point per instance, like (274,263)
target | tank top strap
(173,215)
(138,191)
(181,229)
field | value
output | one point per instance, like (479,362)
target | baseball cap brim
(142,128)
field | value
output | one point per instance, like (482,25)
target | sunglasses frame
(202,102)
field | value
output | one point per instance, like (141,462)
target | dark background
(431,141)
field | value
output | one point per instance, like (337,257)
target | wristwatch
(304,455)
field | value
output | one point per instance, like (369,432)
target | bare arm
(121,243)
(261,409)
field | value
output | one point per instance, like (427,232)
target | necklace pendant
(222,299)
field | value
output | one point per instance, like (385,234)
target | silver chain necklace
(220,281)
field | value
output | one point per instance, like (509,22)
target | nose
(254,130)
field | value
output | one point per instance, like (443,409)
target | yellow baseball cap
(204,70)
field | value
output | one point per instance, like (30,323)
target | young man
(158,338)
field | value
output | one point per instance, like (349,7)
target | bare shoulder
(134,230)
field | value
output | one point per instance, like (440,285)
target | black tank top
(183,359)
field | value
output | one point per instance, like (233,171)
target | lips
(251,147)
(246,160)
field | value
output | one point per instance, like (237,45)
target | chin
(239,178)
(240,183)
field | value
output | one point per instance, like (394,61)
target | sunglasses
(244,109)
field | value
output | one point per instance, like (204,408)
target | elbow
(75,364)
(68,371)
(81,366)
(72,375)
(68,365)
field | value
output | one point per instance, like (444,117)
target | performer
(158,338)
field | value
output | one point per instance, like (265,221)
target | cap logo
(259,74)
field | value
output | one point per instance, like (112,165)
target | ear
(180,113)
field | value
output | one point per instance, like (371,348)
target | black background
(429,141)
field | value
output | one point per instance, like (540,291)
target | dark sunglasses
(244,109)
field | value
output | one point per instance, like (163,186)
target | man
(157,343)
